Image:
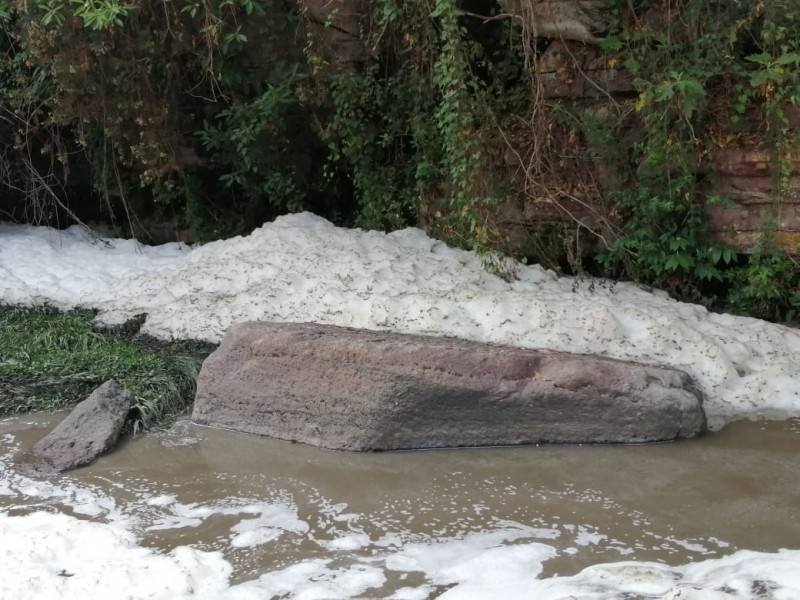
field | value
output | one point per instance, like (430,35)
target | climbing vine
(422,156)
(703,76)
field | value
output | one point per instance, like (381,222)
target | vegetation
(723,75)
(463,137)
(221,114)
(50,359)
(159,109)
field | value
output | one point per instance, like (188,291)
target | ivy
(410,128)
(699,81)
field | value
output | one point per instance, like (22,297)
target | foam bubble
(744,575)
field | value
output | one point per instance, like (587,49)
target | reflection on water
(274,507)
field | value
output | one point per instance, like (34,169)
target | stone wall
(572,67)
(746,178)
(336,28)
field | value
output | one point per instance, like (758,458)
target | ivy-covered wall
(653,140)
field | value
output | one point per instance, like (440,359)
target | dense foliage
(184,108)
(221,114)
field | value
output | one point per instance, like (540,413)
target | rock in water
(353,389)
(92,428)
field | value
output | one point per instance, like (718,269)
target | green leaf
(676,244)
(707,272)
(761,77)
(664,91)
(632,65)
(611,43)
(761,59)
(679,261)
(728,254)
(787,59)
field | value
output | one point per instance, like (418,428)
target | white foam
(352,541)
(314,580)
(480,565)
(55,556)
(743,575)
(302,268)
(48,555)
(271,522)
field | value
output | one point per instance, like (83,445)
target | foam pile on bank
(301,268)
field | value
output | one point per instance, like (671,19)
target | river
(302,522)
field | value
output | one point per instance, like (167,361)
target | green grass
(51,360)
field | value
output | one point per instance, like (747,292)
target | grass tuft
(51,360)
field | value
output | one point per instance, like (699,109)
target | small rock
(92,428)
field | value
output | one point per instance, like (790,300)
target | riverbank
(301,268)
(51,359)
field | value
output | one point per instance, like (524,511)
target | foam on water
(48,555)
(303,269)
(64,539)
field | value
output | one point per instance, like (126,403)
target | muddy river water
(424,524)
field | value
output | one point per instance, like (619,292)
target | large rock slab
(92,428)
(559,19)
(363,390)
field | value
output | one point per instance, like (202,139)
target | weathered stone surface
(92,428)
(746,178)
(559,19)
(362,390)
(336,26)
(744,162)
(569,69)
